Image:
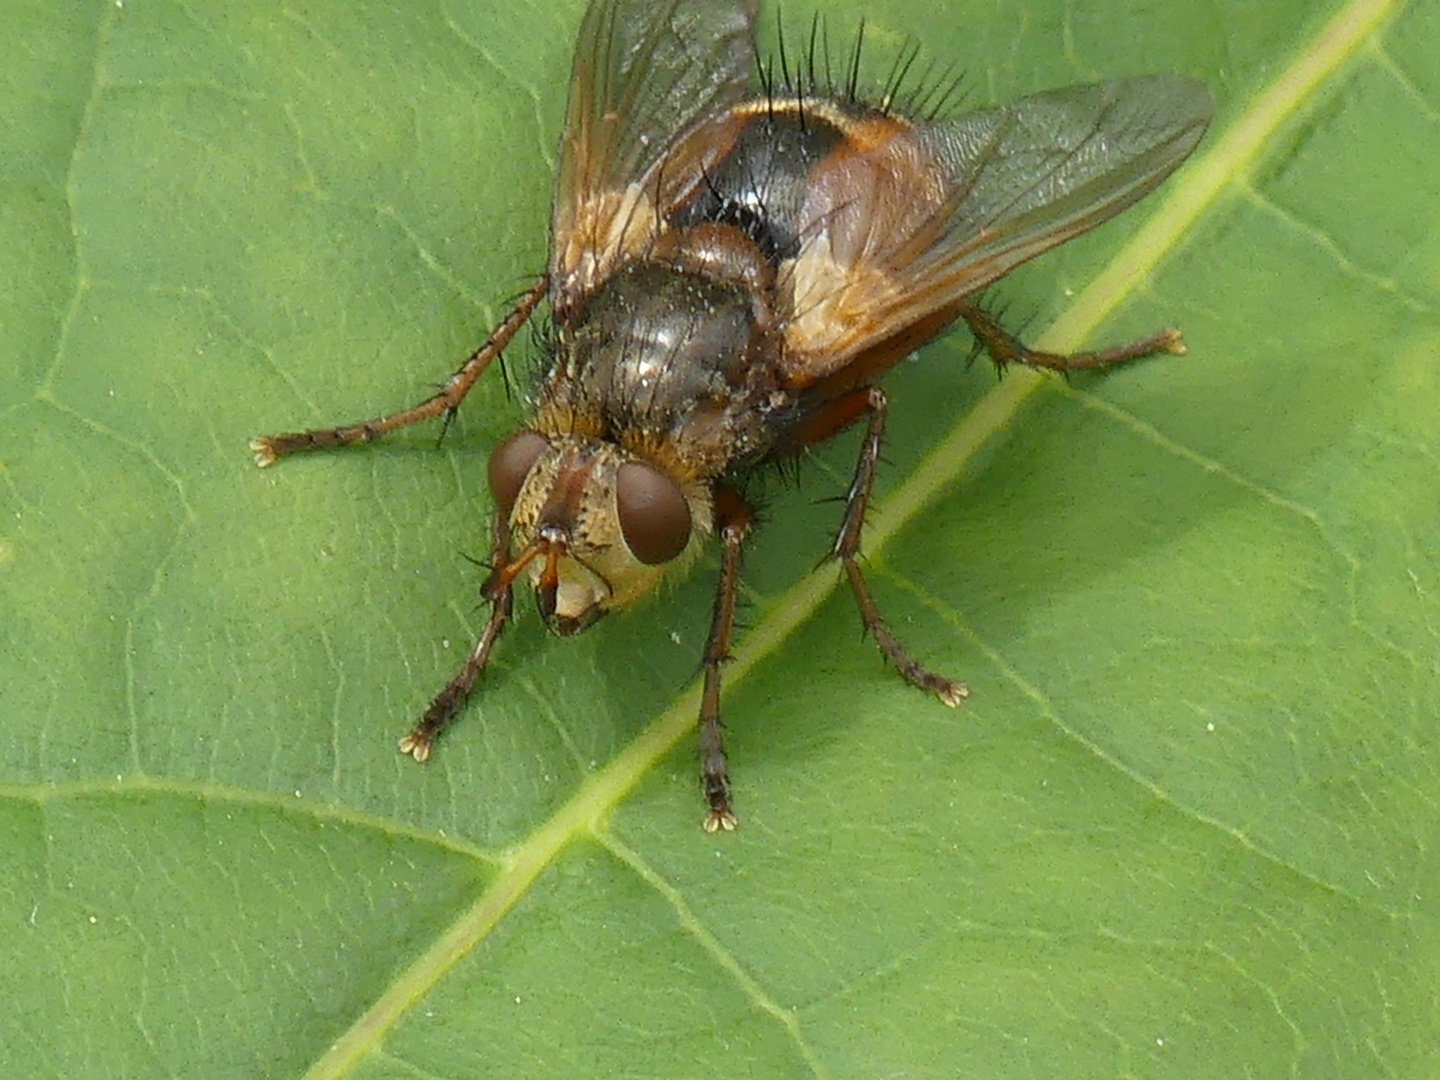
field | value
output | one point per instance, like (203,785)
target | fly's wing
(646,73)
(901,226)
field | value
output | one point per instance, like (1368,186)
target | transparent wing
(646,73)
(901,230)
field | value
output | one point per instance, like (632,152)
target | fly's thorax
(669,357)
(595,526)
(657,340)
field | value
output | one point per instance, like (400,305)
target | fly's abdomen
(761,184)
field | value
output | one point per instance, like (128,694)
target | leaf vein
(1327,243)
(707,940)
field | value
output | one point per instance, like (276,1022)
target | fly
(735,262)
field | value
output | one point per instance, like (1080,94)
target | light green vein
(693,926)
(1210,465)
(214,793)
(1048,709)
(1204,181)
(1381,282)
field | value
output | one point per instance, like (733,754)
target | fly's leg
(843,411)
(448,703)
(733,519)
(269,447)
(1005,348)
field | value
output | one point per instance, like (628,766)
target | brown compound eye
(654,515)
(510,462)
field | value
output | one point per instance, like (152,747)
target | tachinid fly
(734,264)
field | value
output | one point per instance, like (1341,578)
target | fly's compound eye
(654,515)
(510,462)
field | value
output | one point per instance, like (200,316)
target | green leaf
(1183,827)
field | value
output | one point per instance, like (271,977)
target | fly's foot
(952,693)
(264,451)
(418,744)
(720,820)
(1170,340)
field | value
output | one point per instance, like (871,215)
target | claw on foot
(1171,341)
(953,693)
(264,451)
(720,821)
(417,746)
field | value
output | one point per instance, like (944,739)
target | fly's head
(592,525)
